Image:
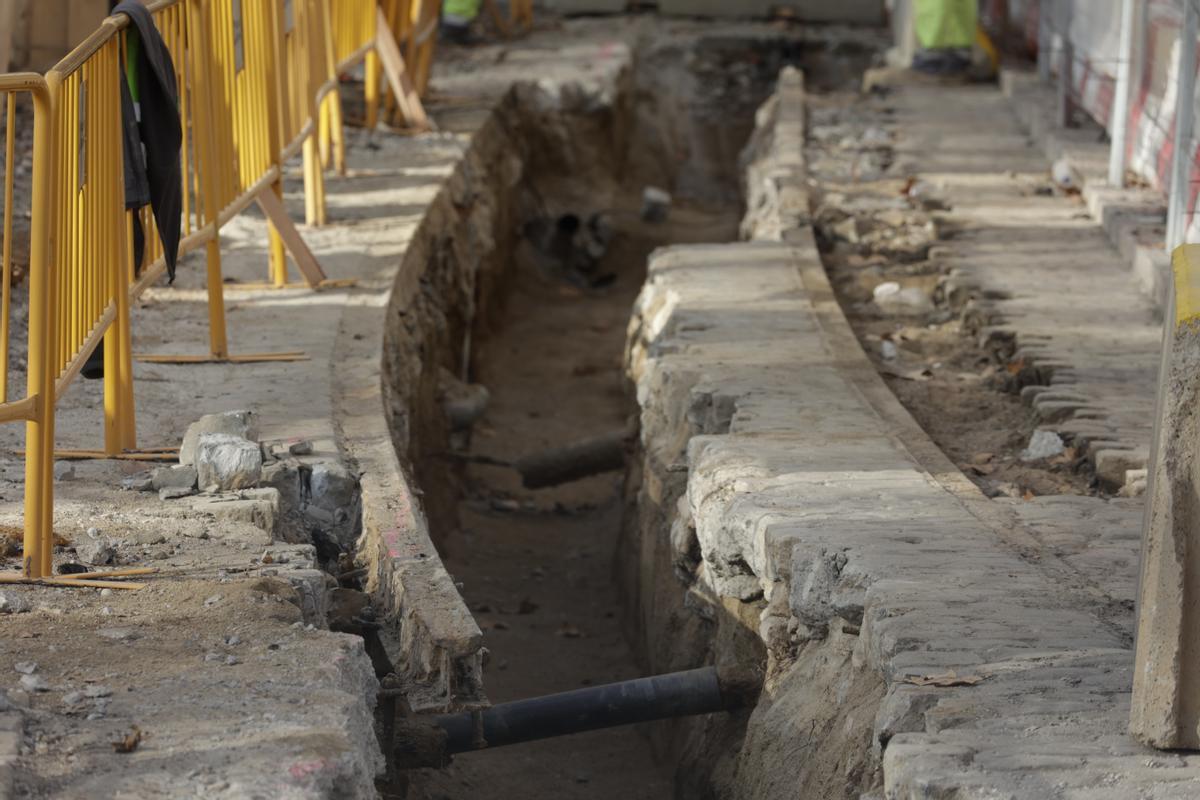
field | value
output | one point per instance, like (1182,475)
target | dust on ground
(875,227)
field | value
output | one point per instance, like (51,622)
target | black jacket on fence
(154,118)
(152,138)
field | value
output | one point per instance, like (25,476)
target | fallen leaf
(1014,367)
(1029,495)
(129,742)
(945,679)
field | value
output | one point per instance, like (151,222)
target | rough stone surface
(225,462)
(233,423)
(867,562)
(252,507)
(178,476)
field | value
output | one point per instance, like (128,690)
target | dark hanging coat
(152,138)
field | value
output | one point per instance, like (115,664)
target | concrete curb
(439,638)
(1134,219)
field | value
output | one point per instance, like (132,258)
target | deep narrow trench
(537,567)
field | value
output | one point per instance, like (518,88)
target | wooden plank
(397,75)
(272,206)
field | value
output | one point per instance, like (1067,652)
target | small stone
(656,204)
(34,683)
(1042,444)
(119,634)
(97,552)
(26,667)
(13,603)
(93,532)
(97,690)
(106,611)
(5,703)
(73,699)
(139,482)
(147,537)
(106,592)
(175,492)
(212,656)
(231,660)
(233,640)
(301,448)
(64,471)
(212,601)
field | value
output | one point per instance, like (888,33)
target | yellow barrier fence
(257,83)
(36,408)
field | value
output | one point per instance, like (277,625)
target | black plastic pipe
(676,694)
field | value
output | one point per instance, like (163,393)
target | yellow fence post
(39,428)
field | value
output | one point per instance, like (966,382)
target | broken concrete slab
(225,462)
(234,423)
(255,507)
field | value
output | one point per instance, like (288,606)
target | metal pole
(1118,123)
(1181,156)
(1066,63)
(1045,38)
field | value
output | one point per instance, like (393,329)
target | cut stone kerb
(1165,711)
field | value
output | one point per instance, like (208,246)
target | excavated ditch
(506,338)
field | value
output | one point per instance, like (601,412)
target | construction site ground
(1008,590)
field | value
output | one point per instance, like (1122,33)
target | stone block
(234,423)
(258,508)
(178,476)
(226,462)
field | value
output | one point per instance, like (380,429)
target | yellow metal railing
(36,408)
(257,84)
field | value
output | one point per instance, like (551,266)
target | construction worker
(457,16)
(946,33)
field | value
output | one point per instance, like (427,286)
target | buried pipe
(571,462)
(431,742)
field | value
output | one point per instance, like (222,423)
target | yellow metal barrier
(257,84)
(90,232)
(37,406)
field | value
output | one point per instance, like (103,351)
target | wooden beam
(272,206)
(393,66)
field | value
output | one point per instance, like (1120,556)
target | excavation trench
(505,339)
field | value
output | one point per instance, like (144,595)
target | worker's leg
(946,33)
(457,16)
